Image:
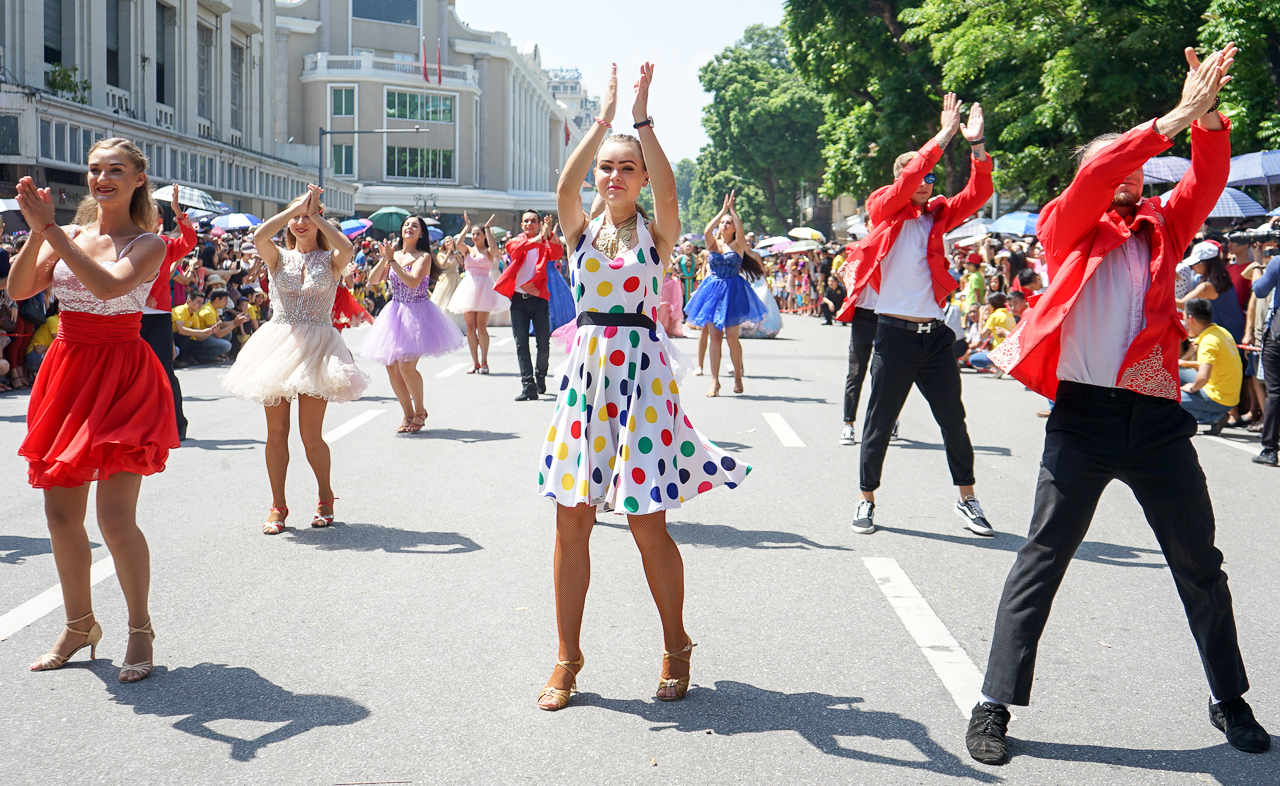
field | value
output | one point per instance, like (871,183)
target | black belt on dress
(914,327)
(615,320)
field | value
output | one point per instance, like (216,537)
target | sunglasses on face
(929,178)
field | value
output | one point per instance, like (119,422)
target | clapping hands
(36,205)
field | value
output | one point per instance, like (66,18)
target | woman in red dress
(101,409)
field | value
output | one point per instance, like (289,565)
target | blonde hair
(631,142)
(900,163)
(290,240)
(142,208)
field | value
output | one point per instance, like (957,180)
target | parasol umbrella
(978,226)
(806,233)
(389,219)
(498,232)
(236,221)
(1255,169)
(11,214)
(769,242)
(972,240)
(1019,222)
(217,231)
(224,208)
(1275,212)
(188,197)
(692,236)
(1233,203)
(355,227)
(856,226)
(434,234)
(1165,169)
(200,215)
(802,245)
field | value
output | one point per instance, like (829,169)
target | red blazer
(1078,228)
(891,205)
(518,248)
(175,249)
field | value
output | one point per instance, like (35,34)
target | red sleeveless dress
(101,403)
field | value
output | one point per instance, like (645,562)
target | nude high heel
(562,697)
(143,669)
(52,660)
(682,684)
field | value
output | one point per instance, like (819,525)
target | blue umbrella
(1255,169)
(237,221)
(435,234)
(1165,169)
(224,207)
(1018,222)
(1233,203)
(1275,212)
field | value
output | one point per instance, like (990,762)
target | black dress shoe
(542,385)
(1216,428)
(529,394)
(1269,457)
(986,736)
(1235,719)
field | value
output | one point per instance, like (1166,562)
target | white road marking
(49,600)
(353,424)
(502,342)
(454,369)
(948,659)
(788,436)
(1252,448)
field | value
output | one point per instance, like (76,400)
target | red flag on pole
(439,72)
(425,78)
(566,132)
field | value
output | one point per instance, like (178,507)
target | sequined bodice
(626,284)
(725,265)
(73,296)
(302,288)
(402,292)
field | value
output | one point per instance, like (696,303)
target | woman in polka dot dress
(619,436)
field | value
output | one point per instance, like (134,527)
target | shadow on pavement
(469,436)
(211,692)
(1089,551)
(372,537)
(911,444)
(1229,766)
(13,418)
(788,399)
(738,708)
(222,444)
(14,549)
(723,536)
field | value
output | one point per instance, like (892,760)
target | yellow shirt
(44,334)
(1002,319)
(836,263)
(203,318)
(1216,346)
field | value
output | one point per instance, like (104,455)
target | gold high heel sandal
(143,669)
(682,684)
(562,696)
(52,660)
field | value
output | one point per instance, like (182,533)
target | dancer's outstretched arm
(573,219)
(267,230)
(709,231)
(666,203)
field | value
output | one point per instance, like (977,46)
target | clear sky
(678,36)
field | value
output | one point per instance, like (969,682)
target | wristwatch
(648,121)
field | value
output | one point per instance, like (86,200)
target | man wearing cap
(524,282)
(1103,343)
(902,260)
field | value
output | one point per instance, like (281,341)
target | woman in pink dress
(475,298)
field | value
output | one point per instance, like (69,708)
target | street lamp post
(326,132)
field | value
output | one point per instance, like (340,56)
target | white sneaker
(847,437)
(864,524)
(974,520)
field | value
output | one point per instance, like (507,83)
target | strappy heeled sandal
(414,425)
(562,697)
(275,527)
(475,369)
(52,660)
(142,669)
(484,368)
(320,519)
(404,425)
(681,684)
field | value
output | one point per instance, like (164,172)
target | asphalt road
(407,644)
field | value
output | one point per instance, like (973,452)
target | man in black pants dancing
(525,283)
(902,261)
(1103,343)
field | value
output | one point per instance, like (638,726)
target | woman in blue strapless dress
(724,300)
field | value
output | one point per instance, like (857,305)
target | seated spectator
(1000,323)
(42,339)
(200,332)
(1211,379)
(244,327)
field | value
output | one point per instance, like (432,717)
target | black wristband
(648,121)
(979,141)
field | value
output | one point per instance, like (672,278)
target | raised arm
(386,255)
(666,204)
(979,188)
(709,231)
(887,201)
(267,230)
(490,242)
(458,241)
(573,219)
(739,243)
(338,242)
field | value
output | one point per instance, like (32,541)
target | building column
(442,29)
(282,85)
(482,121)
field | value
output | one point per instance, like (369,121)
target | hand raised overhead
(950,120)
(975,129)
(609,106)
(640,109)
(1205,79)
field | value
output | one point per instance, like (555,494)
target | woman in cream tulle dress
(449,261)
(298,354)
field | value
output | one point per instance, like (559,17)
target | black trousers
(862,338)
(1095,435)
(904,358)
(526,309)
(1271,378)
(157,331)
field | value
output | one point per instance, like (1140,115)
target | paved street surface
(407,644)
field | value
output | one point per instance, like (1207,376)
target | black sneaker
(1235,719)
(529,394)
(865,524)
(1269,457)
(985,738)
(542,385)
(974,520)
(894,434)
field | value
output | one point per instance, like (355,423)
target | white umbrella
(803,245)
(237,221)
(806,233)
(188,197)
(769,242)
(857,227)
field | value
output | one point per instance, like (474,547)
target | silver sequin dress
(299,352)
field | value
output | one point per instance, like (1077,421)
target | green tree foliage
(1252,100)
(763,124)
(684,171)
(713,177)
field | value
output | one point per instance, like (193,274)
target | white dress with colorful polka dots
(618,436)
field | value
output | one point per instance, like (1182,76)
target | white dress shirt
(1107,316)
(906,283)
(527,268)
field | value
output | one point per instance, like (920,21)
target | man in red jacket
(1103,342)
(903,264)
(525,283)
(157,318)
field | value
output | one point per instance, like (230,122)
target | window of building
(237,87)
(344,102)
(404,57)
(204,75)
(358,51)
(46,139)
(73,146)
(9,144)
(165,21)
(344,159)
(401,12)
(419,163)
(419,106)
(53,31)
(60,141)
(113,42)
(181,173)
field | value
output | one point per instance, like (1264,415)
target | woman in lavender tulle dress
(410,327)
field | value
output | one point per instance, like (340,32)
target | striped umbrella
(188,197)
(1165,169)
(1233,203)
(237,221)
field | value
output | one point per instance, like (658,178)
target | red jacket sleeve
(1191,201)
(890,199)
(975,194)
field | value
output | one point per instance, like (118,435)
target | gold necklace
(614,239)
